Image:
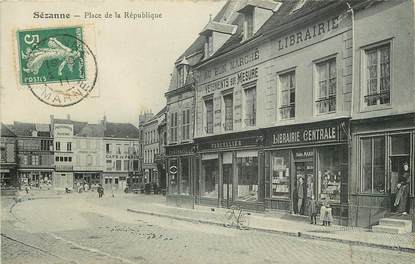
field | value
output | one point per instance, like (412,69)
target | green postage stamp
(56,64)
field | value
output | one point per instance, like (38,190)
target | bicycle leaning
(236,216)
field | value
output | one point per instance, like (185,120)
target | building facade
(121,154)
(151,148)
(383,119)
(295,100)
(88,151)
(35,154)
(8,159)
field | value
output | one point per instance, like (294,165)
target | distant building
(151,147)
(8,158)
(35,154)
(121,148)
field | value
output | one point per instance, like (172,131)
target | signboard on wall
(321,132)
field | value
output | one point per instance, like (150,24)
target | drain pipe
(350,9)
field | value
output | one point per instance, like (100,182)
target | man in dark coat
(402,196)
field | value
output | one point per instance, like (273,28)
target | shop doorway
(303,186)
(396,170)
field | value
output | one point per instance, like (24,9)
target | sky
(135,57)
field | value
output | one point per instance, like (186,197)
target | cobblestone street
(83,229)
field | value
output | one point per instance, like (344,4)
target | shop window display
(210,178)
(329,173)
(280,174)
(247,178)
(173,177)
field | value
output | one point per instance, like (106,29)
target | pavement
(275,223)
(81,228)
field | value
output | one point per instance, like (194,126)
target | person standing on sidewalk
(312,210)
(100,190)
(300,195)
(402,196)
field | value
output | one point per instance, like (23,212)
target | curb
(280,232)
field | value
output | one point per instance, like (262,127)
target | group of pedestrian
(326,214)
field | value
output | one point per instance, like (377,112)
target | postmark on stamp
(56,65)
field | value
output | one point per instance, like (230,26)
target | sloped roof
(23,129)
(283,15)
(219,27)
(6,131)
(120,130)
(92,130)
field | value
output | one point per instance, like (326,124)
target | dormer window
(249,24)
(255,14)
(182,72)
(216,34)
(209,45)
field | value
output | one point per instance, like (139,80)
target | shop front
(305,161)
(180,164)
(113,181)
(385,160)
(231,170)
(90,178)
(36,178)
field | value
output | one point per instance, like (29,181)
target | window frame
(186,124)
(173,127)
(372,158)
(363,73)
(247,87)
(206,125)
(316,84)
(227,122)
(280,106)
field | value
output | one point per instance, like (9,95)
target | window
(280,173)
(377,70)
(250,106)
(173,127)
(209,45)
(118,165)
(70,159)
(209,116)
(182,72)
(109,164)
(35,160)
(185,176)
(61,159)
(45,144)
(65,159)
(56,158)
(126,165)
(89,160)
(247,173)
(228,99)
(108,148)
(210,176)
(135,165)
(372,153)
(118,150)
(249,25)
(329,171)
(326,86)
(116,181)
(287,92)
(57,145)
(125,148)
(186,124)
(68,146)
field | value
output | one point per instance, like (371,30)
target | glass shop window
(329,173)
(400,154)
(247,173)
(210,176)
(372,162)
(280,173)
(185,176)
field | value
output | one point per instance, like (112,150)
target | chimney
(68,117)
(104,122)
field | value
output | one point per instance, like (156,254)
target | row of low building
(274,91)
(68,154)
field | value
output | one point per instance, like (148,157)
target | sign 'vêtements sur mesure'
(231,81)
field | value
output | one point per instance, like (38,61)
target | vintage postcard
(207,131)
